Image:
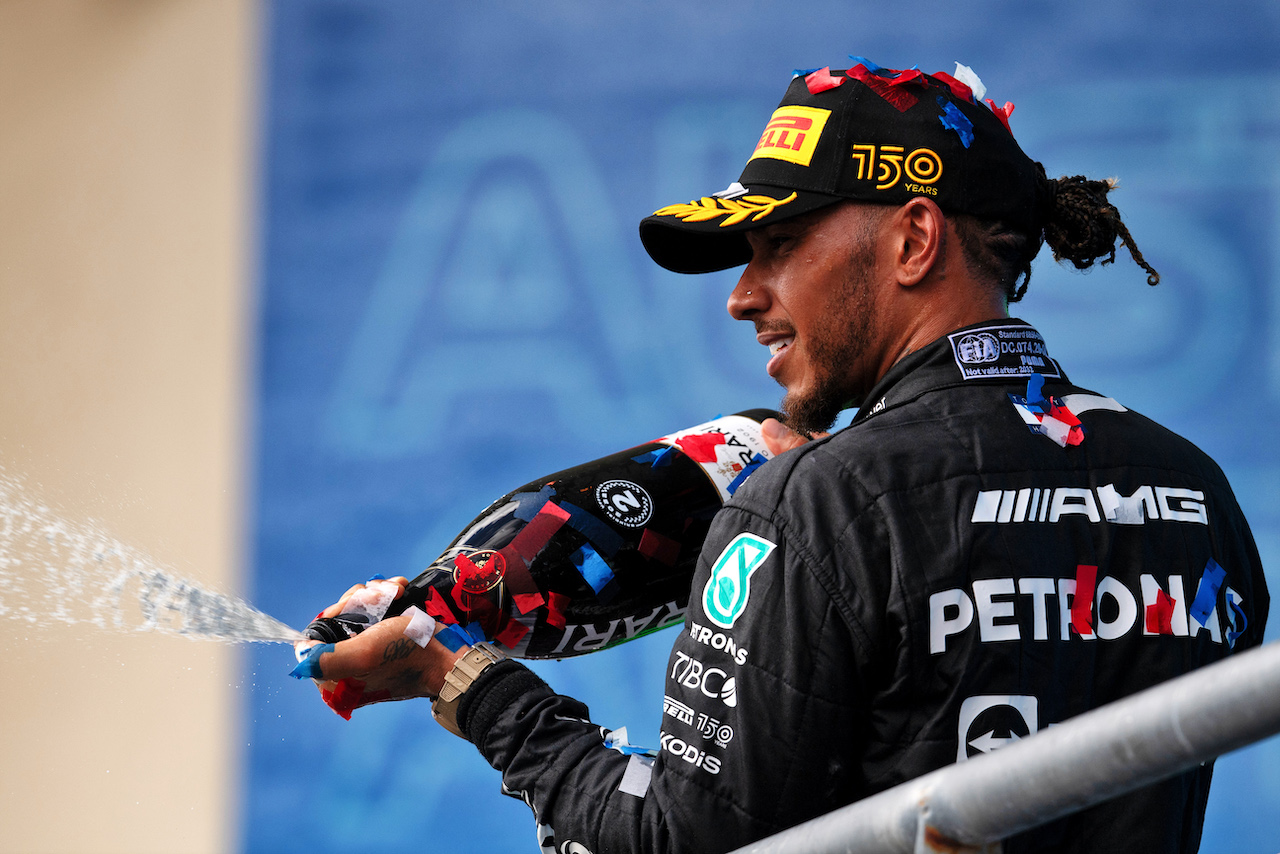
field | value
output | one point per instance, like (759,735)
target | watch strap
(444,708)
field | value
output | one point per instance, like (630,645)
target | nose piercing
(748,293)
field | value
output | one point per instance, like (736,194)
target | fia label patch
(1001,351)
(725,596)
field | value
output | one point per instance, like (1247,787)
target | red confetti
(526,602)
(822,80)
(1060,412)
(960,90)
(1160,614)
(1075,435)
(701,447)
(512,632)
(540,529)
(891,89)
(658,547)
(555,609)
(524,592)
(349,695)
(1082,602)
(438,608)
(1002,113)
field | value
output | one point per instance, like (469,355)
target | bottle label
(725,448)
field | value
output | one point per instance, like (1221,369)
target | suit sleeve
(760,714)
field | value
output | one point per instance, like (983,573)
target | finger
(779,438)
(336,608)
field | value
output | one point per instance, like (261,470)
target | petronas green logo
(725,596)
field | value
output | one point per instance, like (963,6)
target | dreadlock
(1080,226)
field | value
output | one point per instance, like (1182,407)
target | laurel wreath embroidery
(734,210)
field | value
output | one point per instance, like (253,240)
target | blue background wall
(453,301)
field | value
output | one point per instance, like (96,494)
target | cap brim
(709,234)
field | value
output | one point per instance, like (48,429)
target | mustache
(775,327)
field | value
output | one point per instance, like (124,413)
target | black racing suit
(901,596)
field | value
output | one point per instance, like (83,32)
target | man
(987,550)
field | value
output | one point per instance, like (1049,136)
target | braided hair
(1080,226)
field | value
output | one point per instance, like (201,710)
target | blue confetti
(1234,600)
(953,119)
(1207,592)
(606,540)
(869,65)
(594,570)
(1035,392)
(377,576)
(529,503)
(309,667)
(453,637)
(756,461)
(656,459)
(804,72)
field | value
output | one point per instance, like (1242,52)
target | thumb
(779,438)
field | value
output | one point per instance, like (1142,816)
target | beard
(835,347)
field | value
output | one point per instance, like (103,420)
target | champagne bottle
(588,557)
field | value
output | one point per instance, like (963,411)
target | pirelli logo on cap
(792,134)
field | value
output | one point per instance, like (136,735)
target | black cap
(868,134)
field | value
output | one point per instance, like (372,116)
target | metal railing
(1104,753)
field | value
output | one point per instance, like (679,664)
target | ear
(919,232)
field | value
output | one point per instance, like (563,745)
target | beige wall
(125,193)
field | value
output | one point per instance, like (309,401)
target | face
(810,289)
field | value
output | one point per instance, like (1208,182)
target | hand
(778,437)
(379,664)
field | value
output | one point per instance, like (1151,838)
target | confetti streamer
(453,637)
(593,568)
(953,119)
(512,632)
(556,603)
(1235,600)
(658,547)
(308,667)
(1207,592)
(529,503)
(891,89)
(1082,602)
(957,87)
(747,470)
(701,447)
(822,80)
(1002,113)
(606,540)
(654,459)
(1160,614)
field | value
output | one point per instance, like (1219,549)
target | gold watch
(459,678)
